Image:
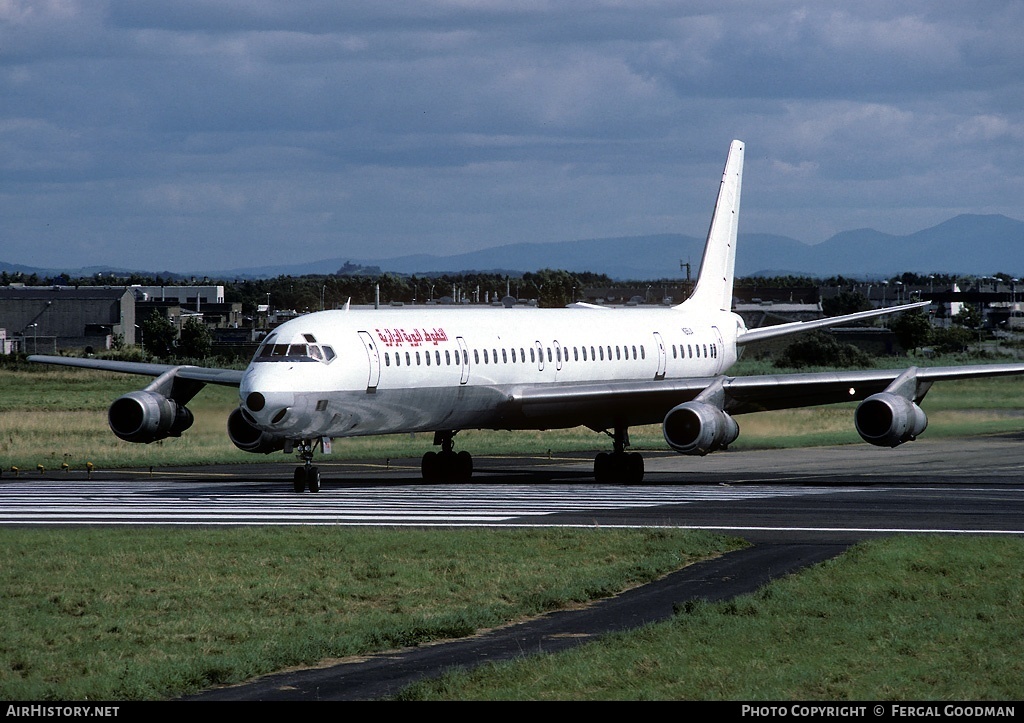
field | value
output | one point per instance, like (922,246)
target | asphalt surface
(838,497)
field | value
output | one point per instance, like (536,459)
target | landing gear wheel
(619,468)
(634,468)
(464,466)
(603,468)
(306,478)
(430,467)
(447,466)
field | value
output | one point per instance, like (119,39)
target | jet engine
(147,417)
(889,420)
(249,438)
(697,428)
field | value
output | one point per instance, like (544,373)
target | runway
(834,493)
(797,507)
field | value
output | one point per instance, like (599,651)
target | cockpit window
(270,352)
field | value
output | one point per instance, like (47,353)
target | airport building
(90,319)
(49,319)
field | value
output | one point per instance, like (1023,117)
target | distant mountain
(966,244)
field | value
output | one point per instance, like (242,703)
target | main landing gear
(446,465)
(619,467)
(306,476)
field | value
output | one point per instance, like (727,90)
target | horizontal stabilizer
(799,327)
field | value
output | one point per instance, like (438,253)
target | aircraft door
(540,355)
(659,343)
(373,357)
(464,353)
(720,355)
(558,356)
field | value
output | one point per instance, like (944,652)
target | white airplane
(334,374)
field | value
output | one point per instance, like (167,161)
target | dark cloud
(161,134)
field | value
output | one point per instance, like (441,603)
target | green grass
(910,618)
(150,613)
(53,416)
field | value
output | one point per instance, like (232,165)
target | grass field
(149,613)
(54,416)
(911,618)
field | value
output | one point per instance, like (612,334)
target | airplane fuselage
(353,373)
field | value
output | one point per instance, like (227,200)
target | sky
(218,134)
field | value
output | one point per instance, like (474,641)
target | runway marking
(209,503)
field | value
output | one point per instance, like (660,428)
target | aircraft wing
(647,402)
(206,375)
(798,327)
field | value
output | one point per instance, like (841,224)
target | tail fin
(718,265)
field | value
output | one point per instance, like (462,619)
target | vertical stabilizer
(717,267)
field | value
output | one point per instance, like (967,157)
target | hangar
(48,319)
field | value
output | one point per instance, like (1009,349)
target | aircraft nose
(269,410)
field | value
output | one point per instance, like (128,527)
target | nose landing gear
(306,476)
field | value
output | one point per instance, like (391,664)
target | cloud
(162,133)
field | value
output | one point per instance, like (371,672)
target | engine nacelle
(249,438)
(889,420)
(147,417)
(698,428)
